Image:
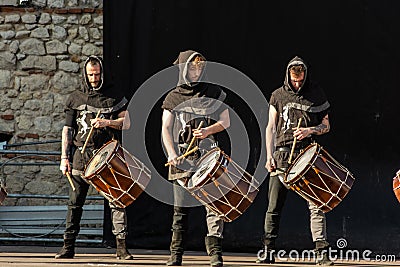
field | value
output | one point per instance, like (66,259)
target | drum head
(205,165)
(100,157)
(300,164)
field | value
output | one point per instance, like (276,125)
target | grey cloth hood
(199,97)
(182,62)
(86,85)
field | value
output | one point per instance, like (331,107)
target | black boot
(176,248)
(122,252)
(214,250)
(266,255)
(321,253)
(68,250)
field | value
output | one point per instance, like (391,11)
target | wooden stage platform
(32,256)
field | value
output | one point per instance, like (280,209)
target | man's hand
(65,166)
(323,128)
(100,123)
(201,133)
(270,165)
(301,133)
(173,160)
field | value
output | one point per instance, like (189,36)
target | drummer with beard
(194,110)
(299,99)
(99,106)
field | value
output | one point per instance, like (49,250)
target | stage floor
(44,257)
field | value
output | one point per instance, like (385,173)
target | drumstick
(194,137)
(184,155)
(90,134)
(294,144)
(70,180)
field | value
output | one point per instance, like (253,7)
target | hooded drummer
(300,102)
(193,116)
(99,106)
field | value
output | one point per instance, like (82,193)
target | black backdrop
(352,47)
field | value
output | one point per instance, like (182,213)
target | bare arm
(270,135)
(222,124)
(66,143)
(121,123)
(166,132)
(320,129)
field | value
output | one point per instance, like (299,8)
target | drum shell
(121,179)
(396,185)
(323,181)
(228,190)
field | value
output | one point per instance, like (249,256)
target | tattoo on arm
(322,128)
(66,141)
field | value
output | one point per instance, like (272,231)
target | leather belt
(90,148)
(286,149)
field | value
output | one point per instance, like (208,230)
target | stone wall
(43,45)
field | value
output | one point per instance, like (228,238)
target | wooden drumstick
(194,137)
(70,180)
(184,155)
(294,144)
(90,134)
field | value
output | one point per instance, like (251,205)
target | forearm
(222,124)
(269,141)
(270,133)
(270,136)
(116,124)
(215,128)
(66,141)
(319,130)
(168,143)
(322,128)
(119,123)
(122,122)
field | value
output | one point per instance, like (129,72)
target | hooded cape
(200,96)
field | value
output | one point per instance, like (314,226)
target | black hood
(287,84)
(86,85)
(105,96)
